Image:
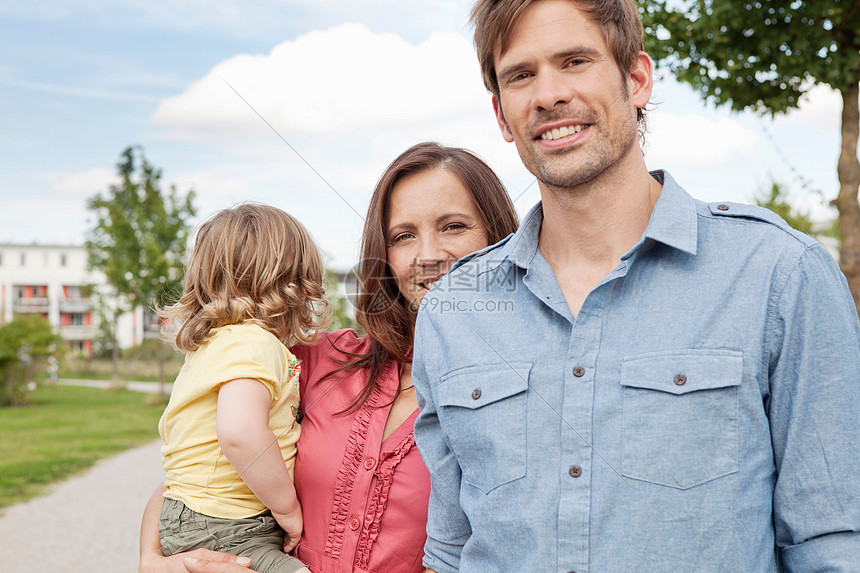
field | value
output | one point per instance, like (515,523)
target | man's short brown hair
(494,19)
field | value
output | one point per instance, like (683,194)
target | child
(253,283)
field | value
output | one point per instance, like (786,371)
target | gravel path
(86,524)
(146,387)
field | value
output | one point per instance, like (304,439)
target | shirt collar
(673,222)
(523,245)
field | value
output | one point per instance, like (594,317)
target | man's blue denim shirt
(701,413)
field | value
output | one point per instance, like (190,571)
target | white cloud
(81,185)
(75,91)
(56,215)
(696,140)
(820,109)
(268,19)
(348,101)
(344,80)
(215,190)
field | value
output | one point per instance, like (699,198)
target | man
(636,381)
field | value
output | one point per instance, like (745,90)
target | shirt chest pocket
(483,414)
(680,416)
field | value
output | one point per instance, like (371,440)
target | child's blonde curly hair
(252,263)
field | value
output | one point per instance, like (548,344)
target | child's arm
(242,425)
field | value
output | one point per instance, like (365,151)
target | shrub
(25,344)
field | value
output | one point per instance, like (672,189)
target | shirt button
(575,471)
(680,379)
(354,522)
(476,393)
(723,207)
(578,371)
(369,463)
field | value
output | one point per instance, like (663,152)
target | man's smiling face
(562,98)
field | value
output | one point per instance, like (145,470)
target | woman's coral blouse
(364,501)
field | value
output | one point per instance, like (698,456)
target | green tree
(25,344)
(762,55)
(139,237)
(343,315)
(777,201)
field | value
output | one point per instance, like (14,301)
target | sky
(303,103)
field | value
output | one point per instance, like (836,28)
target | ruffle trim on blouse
(352,461)
(384,474)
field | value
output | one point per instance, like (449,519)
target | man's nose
(551,88)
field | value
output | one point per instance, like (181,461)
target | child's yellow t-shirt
(198,473)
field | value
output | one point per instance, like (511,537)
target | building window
(63,260)
(76,319)
(23,259)
(1,259)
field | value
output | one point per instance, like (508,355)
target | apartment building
(53,281)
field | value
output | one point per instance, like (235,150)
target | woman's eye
(455,227)
(400,238)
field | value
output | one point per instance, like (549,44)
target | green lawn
(137,368)
(65,430)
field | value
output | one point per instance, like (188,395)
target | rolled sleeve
(831,553)
(448,527)
(814,351)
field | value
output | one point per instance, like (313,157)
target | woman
(359,477)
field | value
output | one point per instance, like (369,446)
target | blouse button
(476,394)
(354,522)
(369,463)
(680,380)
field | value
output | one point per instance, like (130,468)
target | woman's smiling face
(432,222)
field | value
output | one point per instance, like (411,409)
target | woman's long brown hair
(380,308)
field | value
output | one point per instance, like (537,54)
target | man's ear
(500,118)
(640,80)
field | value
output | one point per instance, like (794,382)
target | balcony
(77,304)
(78,332)
(31,304)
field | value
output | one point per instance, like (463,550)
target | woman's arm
(203,566)
(151,559)
(150,540)
(242,425)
